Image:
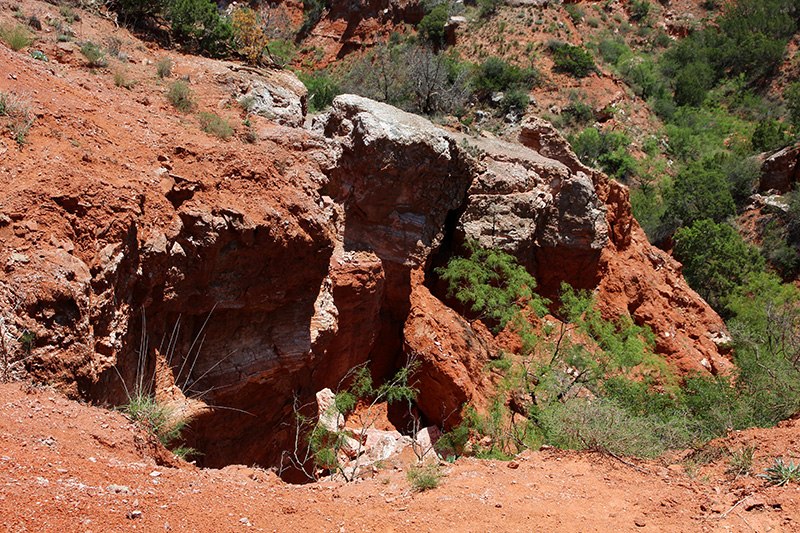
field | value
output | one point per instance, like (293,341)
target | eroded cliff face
(249,277)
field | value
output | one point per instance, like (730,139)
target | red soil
(61,459)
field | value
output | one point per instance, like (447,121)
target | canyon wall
(255,275)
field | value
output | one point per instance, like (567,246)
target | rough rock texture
(252,276)
(452,356)
(780,170)
(397,178)
(275,94)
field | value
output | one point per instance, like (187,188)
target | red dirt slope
(69,467)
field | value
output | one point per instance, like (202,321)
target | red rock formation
(282,265)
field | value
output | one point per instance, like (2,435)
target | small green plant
(425,475)
(319,441)
(38,54)
(781,473)
(215,125)
(16,36)
(740,462)
(68,14)
(249,135)
(164,67)
(19,117)
(121,80)
(94,55)
(26,341)
(181,96)
(248,103)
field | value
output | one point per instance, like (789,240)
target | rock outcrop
(780,170)
(135,245)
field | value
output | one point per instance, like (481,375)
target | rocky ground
(70,467)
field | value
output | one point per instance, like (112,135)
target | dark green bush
(494,74)
(514,99)
(700,191)
(639,10)
(488,8)
(573,60)
(768,135)
(608,151)
(312,14)
(575,12)
(432,25)
(322,89)
(612,50)
(792,99)
(198,24)
(715,259)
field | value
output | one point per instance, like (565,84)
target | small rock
(118,489)
(133,515)
(513,465)
(155,473)
(245,522)
(640,522)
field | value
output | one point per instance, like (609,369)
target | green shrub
(281,51)
(491,283)
(768,135)
(16,36)
(312,14)
(181,96)
(612,50)
(432,25)
(215,125)
(575,12)
(94,55)
(321,90)
(18,115)
(639,10)
(487,8)
(765,321)
(573,60)
(164,67)
(601,425)
(494,74)
(792,98)
(715,259)
(700,191)
(198,24)
(608,151)
(425,476)
(514,99)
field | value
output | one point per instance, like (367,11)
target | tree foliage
(492,284)
(715,259)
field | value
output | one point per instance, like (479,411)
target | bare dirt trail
(72,467)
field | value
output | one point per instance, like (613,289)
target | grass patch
(16,36)
(425,476)
(17,112)
(181,96)
(215,125)
(121,80)
(164,68)
(94,55)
